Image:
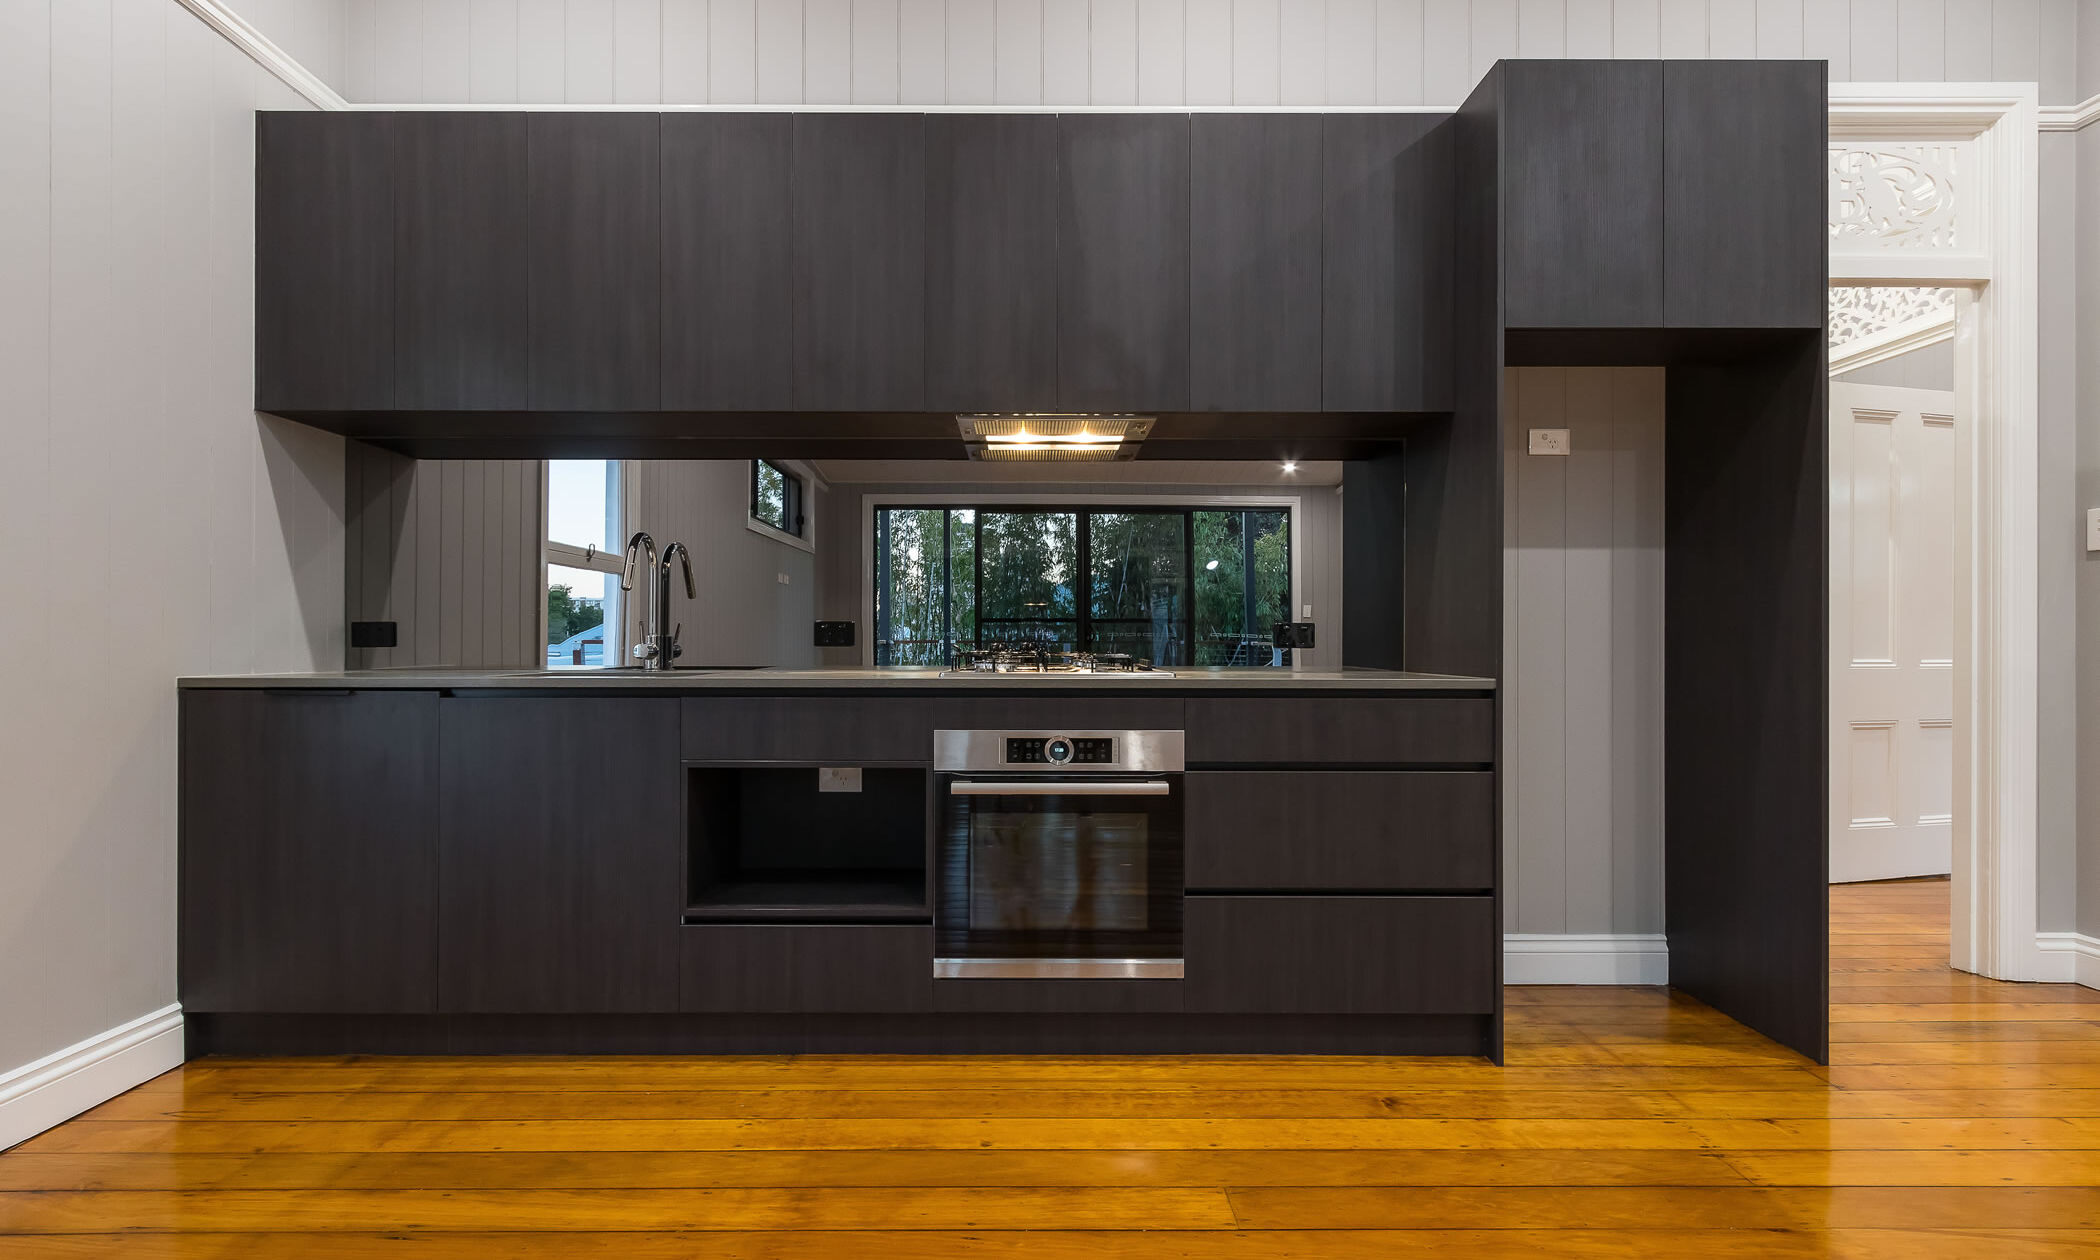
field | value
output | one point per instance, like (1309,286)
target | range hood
(1066,437)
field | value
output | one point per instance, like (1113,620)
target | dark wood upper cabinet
(1582,203)
(1123,262)
(460,335)
(1387,205)
(560,854)
(1254,262)
(308,851)
(324,261)
(1745,145)
(593,265)
(860,262)
(991,262)
(728,238)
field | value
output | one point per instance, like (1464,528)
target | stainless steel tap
(659,647)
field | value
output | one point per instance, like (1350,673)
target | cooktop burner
(1029,658)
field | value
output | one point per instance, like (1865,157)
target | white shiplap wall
(1582,823)
(1141,52)
(155,526)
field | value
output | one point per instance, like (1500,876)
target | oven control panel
(1061,750)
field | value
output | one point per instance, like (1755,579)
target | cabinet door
(308,851)
(459,261)
(1342,955)
(1387,211)
(860,262)
(728,210)
(1582,206)
(1345,731)
(1745,240)
(1254,263)
(808,967)
(1123,262)
(559,854)
(592,202)
(324,261)
(991,262)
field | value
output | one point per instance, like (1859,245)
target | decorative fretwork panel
(1895,196)
(1858,311)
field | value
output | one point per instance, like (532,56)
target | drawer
(791,968)
(1367,730)
(844,730)
(1417,830)
(1059,713)
(1341,955)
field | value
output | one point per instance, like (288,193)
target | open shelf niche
(795,844)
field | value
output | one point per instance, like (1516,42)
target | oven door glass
(1075,869)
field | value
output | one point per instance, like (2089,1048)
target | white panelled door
(1891,632)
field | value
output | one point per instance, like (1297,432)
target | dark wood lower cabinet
(1342,830)
(559,855)
(1342,955)
(1345,731)
(788,968)
(308,851)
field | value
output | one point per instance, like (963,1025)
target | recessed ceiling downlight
(1039,436)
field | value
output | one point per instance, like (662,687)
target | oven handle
(978,787)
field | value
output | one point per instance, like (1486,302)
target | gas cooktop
(1012,658)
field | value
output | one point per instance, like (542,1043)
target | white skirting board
(1621,958)
(60,1086)
(2069,957)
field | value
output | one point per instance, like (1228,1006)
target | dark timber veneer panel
(460,245)
(1746,616)
(1342,955)
(1582,157)
(1386,244)
(1366,731)
(595,292)
(324,260)
(309,851)
(1372,830)
(787,969)
(728,236)
(1745,150)
(991,262)
(1123,262)
(560,854)
(835,730)
(860,262)
(1254,263)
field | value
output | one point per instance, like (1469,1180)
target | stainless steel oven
(1060,854)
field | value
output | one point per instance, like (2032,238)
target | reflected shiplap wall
(1142,52)
(745,613)
(1582,821)
(449,551)
(159,527)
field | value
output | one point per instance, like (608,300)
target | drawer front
(1370,830)
(1059,713)
(1341,955)
(792,968)
(849,730)
(1360,731)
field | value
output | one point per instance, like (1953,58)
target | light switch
(1551,442)
(2092,529)
(783,578)
(1306,613)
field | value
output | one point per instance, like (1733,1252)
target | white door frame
(1997,480)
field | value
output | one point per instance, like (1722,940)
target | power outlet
(1551,442)
(2092,529)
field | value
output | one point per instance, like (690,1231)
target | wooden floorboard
(1959,1117)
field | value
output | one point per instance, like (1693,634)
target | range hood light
(1038,436)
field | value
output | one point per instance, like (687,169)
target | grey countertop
(846,679)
